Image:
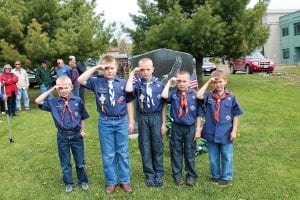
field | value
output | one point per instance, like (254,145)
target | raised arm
(165,92)
(40,99)
(86,75)
(129,84)
(200,94)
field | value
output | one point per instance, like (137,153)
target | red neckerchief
(66,106)
(183,103)
(218,99)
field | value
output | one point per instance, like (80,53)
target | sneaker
(179,181)
(84,186)
(69,188)
(150,183)
(19,110)
(27,109)
(214,180)
(158,182)
(223,182)
(190,181)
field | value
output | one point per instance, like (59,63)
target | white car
(207,66)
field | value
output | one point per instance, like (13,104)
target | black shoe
(150,183)
(190,181)
(223,182)
(179,181)
(158,182)
(214,180)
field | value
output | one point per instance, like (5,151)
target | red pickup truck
(255,62)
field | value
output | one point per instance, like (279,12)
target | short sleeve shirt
(100,87)
(56,107)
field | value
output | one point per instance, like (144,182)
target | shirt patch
(158,96)
(229,98)
(122,88)
(228,117)
(192,107)
(120,99)
(158,85)
(102,98)
(76,114)
(76,104)
(193,97)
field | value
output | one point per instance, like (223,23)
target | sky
(117,10)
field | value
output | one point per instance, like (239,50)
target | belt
(68,131)
(112,117)
(150,114)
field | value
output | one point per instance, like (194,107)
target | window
(297,28)
(285,31)
(286,53)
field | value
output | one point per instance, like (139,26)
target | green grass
(266,152)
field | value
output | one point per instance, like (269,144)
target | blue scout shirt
(100,87)
(219,132)
(56,107)
(192,102)
(141,95)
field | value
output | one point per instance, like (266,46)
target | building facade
(271,48)
(290,38)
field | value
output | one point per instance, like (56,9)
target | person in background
(10,83)
(62,69)
(44,77)
(23,85)
(81,68)
(74,76)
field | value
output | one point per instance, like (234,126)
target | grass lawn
(266,152)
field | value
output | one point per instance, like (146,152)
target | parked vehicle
(254,62)
(207,66)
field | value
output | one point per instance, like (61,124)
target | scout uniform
(67,115)
(220,111)
(184,111)
(149,106)
(111,101)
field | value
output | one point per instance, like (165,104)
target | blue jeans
(73,142)
(22,93)
(221,160)
(151,145)
(75,91)
(113,135)
(182,143)
(45,88)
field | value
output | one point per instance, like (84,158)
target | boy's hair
(143,60)
(218,73)
(63,80)
(109,59)
(184,72)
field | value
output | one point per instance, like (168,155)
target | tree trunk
(199,62)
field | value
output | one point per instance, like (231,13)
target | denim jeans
(45,88)
(22,93)
(11,105)
(113,135)
(73,142)
(221,160)
(151,145)
(182,143)
(75,91)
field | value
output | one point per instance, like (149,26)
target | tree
(33,30)
(202,28)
